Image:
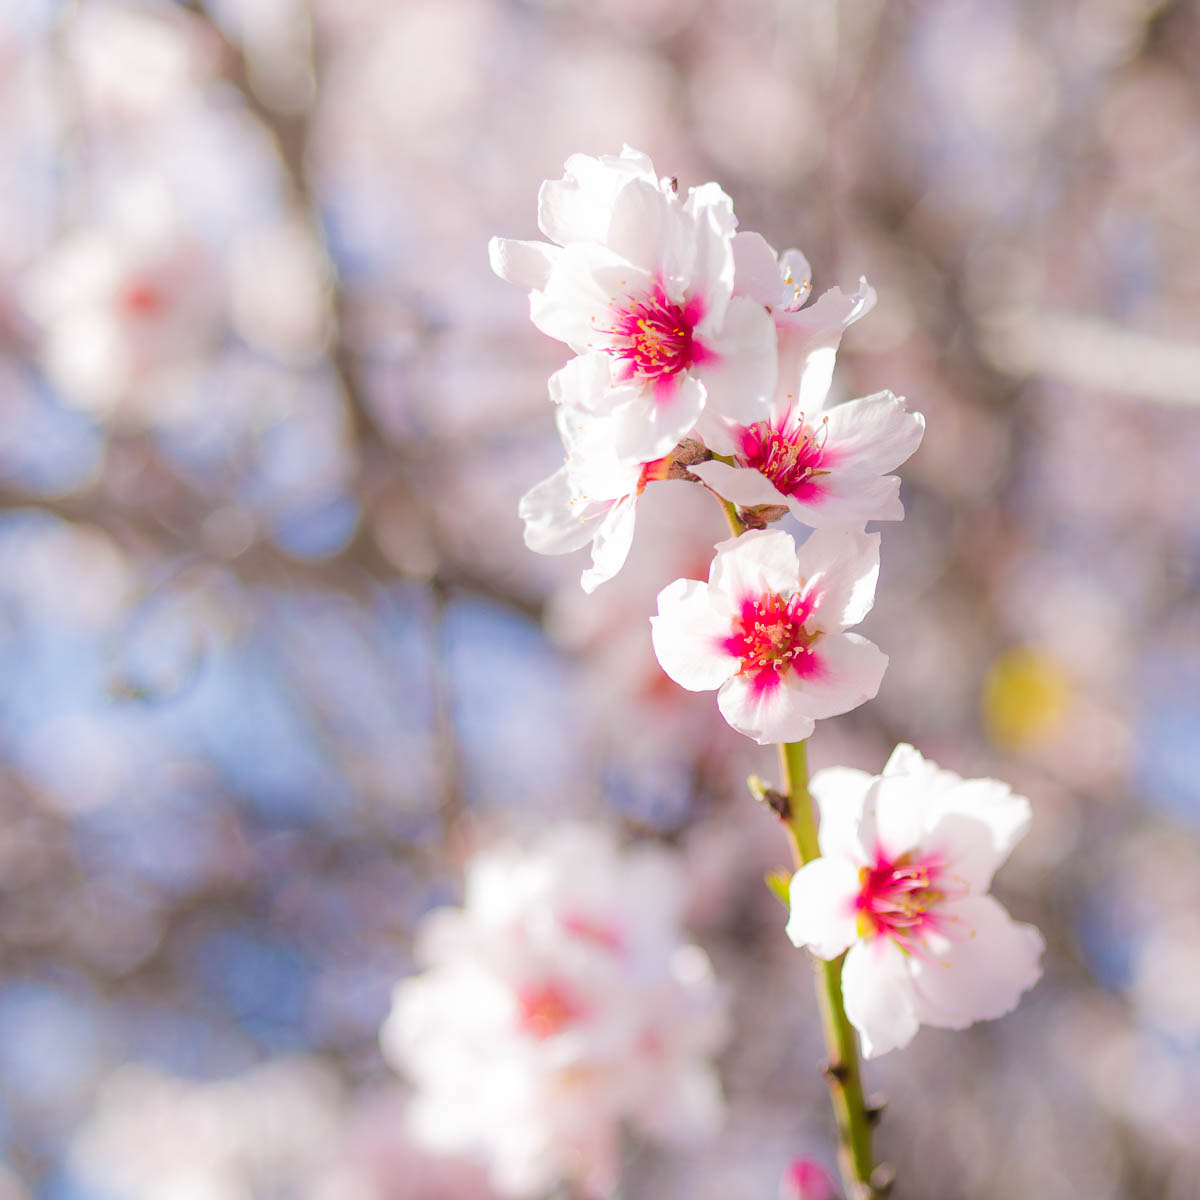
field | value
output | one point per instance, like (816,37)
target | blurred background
(274,657)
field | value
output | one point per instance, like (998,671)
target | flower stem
(855,1156)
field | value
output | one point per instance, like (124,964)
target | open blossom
(593,497)
(642,281)
(907,858)
(768,630)
(556,1005)
(828,465)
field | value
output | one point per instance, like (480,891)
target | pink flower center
(652,336)
(142,299)
(770,638)
(546,1009)
(900,898)
(789,454)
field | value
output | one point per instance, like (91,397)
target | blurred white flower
(120,303)
(556,1005)
(907,859)
(643,281)
(768,630)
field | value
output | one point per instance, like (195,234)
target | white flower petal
(527,264)
(842,566)
(741,377)
(610,545)
(824,906)
(874,434)
(974,824)
(797,279)
(980,970)
(768,715)
(689,634)
(650,422)
(908,760)
(841,793)
(578,207)
(756,269)
(808,342)
(849,498)
(554,522)
(877,990)
(851,670)
(898,805)
(758,562)
(741,485)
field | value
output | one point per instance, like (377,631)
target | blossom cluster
(557,1004)
(698,356)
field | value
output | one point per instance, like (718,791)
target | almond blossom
(559,1003)
(642,281)
(828,465)
(907,858)
(768,630)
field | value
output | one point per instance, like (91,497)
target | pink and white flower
(593,497)
(907,858)
(828,465)
(643,281)
(768,630)
(558,1004)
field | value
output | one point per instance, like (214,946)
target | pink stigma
(652,337)
(899,898)
(546,1009)
(770,638)
(790,454)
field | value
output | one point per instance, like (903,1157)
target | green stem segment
(855,1157)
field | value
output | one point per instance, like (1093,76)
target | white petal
(649,423)
(980,971)
(578,207)
(555,523)
(908,760)
(797,279)
(610,545)
(849,498)
(642,230)
(689,634)
(877,990)
(899,805)
(824,906)
(973,825)
(851,670)
(758,562)
(741,485)
(841,793)
(756,269)
(527,264)
(842,566)
(741,377)
(875,434)
(808,342)
(770,715)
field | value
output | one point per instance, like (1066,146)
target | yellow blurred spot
(1025,698)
